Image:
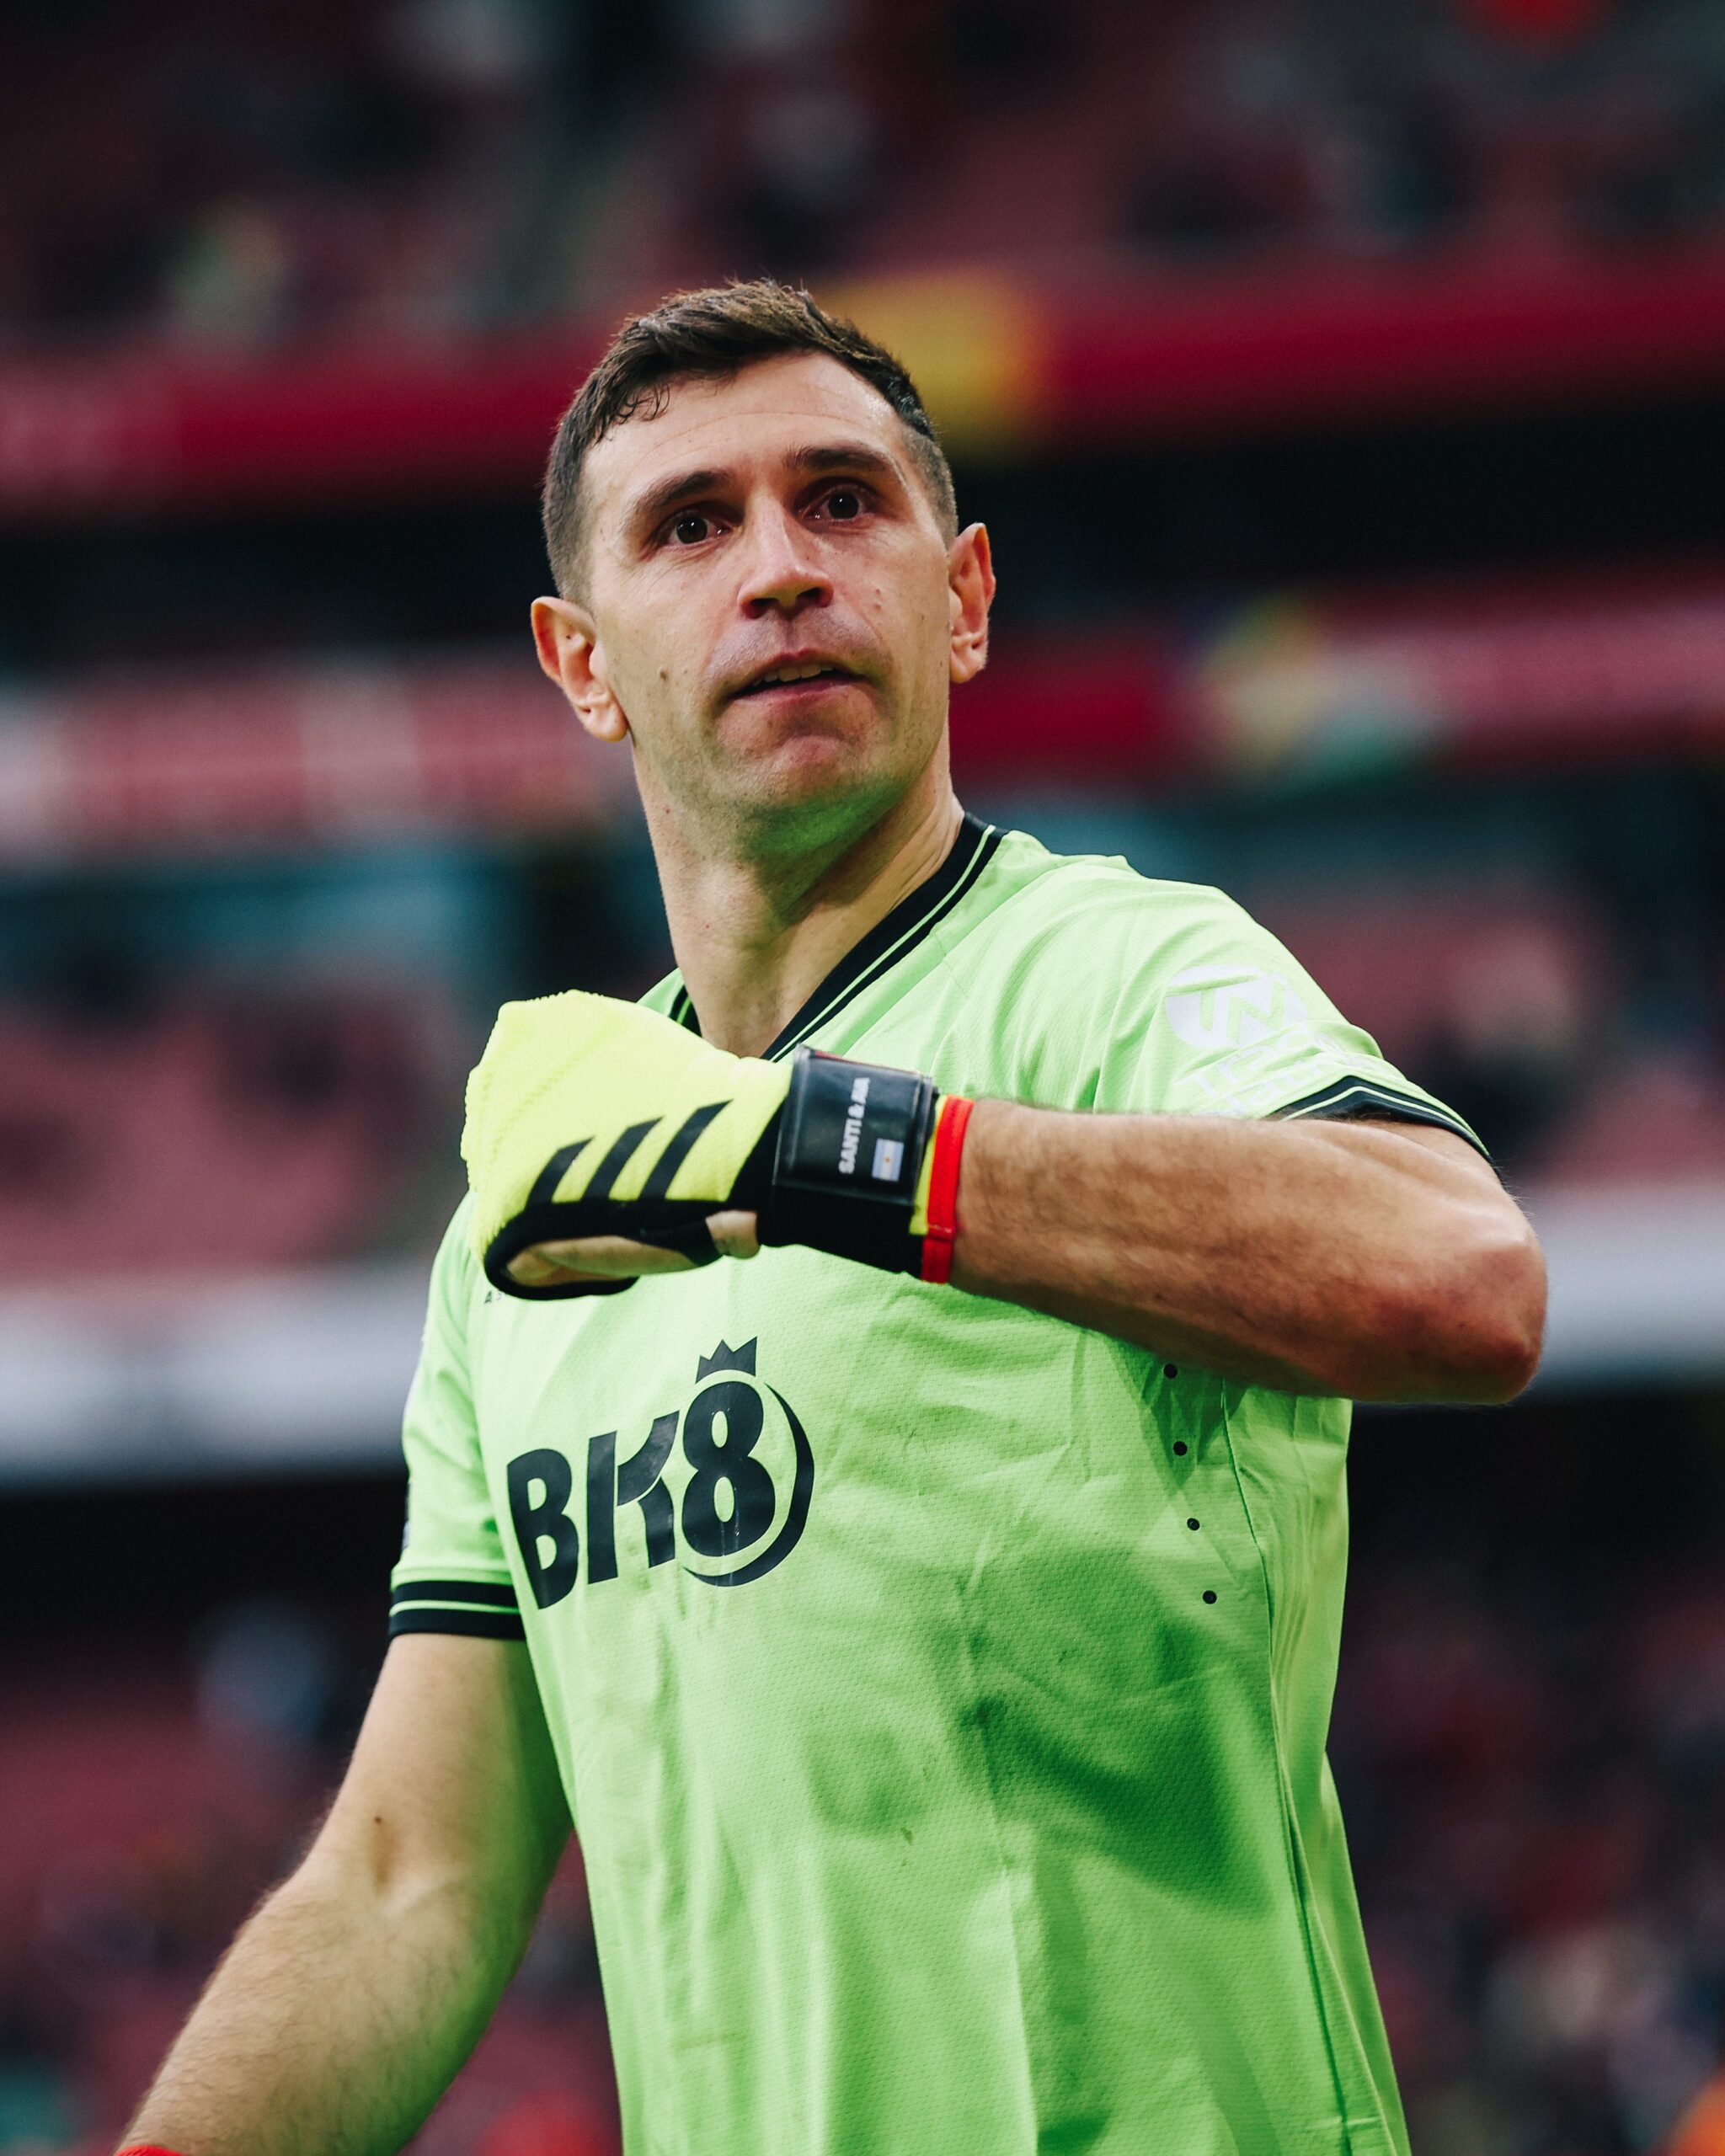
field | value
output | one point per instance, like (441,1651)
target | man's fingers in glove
(616,1258)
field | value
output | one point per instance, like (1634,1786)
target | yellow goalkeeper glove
(589,1117)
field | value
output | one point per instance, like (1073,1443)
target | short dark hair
(716,332)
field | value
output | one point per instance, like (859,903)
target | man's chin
(812,786)
(822,743)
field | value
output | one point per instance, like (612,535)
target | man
(936,1668)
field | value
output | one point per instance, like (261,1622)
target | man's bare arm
(348,2001)
(1381,1261)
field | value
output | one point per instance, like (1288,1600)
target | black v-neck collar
(888,941)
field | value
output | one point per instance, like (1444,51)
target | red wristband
(943,1232)
(144,2149)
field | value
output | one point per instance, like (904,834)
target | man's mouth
(797,673)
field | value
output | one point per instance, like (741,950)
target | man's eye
(690,528)
(843,504)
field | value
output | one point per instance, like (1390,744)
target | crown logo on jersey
(727,1358)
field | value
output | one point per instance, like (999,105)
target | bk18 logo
(730,1477)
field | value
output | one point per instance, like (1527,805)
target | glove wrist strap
(848,1161)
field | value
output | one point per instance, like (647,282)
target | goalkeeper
(876,1463)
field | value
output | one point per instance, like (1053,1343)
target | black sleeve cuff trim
(1359,1097)
(470,1623)
(492,1594)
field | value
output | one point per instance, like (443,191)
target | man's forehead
(772,407)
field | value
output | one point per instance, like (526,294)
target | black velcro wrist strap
(851,1141)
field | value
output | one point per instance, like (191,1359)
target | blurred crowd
(147,1799)
(422,168)
(1535,1786)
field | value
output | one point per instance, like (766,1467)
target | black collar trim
(886,942)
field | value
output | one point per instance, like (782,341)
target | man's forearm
(333,2024)
(1315,1257)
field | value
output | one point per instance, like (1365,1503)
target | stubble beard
(725,805)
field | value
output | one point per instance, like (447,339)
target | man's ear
(568,644)
(970,584)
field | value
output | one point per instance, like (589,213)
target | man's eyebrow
(847,456)
(657,502)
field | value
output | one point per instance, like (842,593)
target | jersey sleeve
(1219,1019)
(453,1576)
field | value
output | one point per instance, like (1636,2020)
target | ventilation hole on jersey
(1192,1522)
(1179,1444)
(1209,1594)
(1170,1370)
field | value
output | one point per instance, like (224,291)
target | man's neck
(754,939)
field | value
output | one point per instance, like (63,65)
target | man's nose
(781,570)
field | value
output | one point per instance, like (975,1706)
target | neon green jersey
(941,1689)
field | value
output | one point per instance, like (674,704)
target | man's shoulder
(1034,896)
(1058,965)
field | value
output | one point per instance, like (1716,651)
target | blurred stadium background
(1345,386)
